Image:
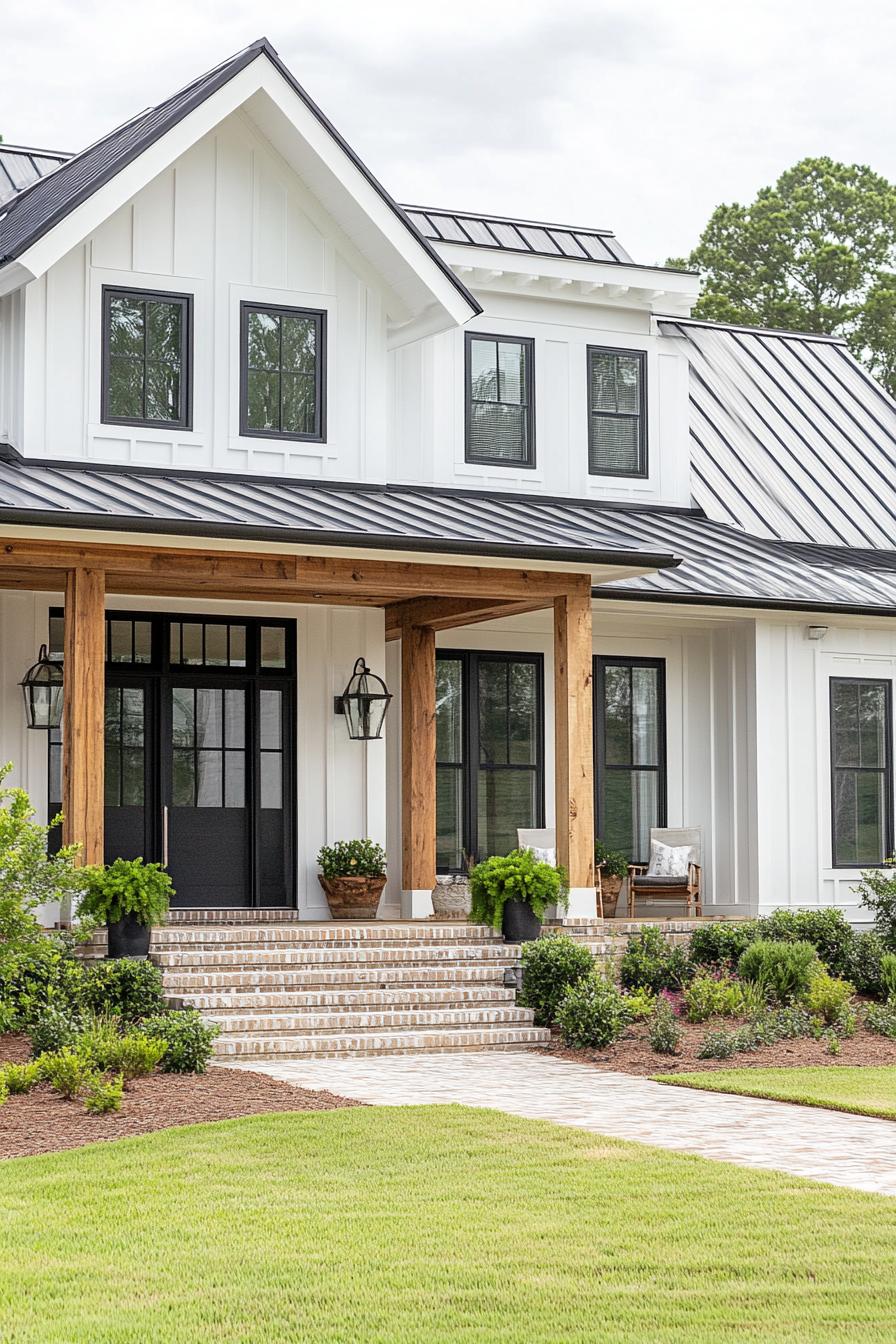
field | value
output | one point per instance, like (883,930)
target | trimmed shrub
(136,1056)
(827,996)
(721,1044)
(66,1071)
(865,965)
(20,1078)
(55,1029)
(888,976)
(37,973)
(129,988)
(188,1039)
(650,962)
(881,1019)
(639,1003)
(664,1031)
(828,930)
(707,996)
(592,1014)
(103,1095)
(782,970)
(721,946)
(550,965)
(98,1043)
(877,892)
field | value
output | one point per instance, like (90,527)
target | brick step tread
(374,932)
(371,949)
(282,1000)
(327,977)
(341,1022)
(260,1047)
(340,956)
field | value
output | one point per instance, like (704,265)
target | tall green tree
(815,252)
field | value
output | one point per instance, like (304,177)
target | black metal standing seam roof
(790,437)
(21,167)
(696,559)
(47,201)
(518,235)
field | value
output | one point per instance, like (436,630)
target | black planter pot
(518,923)
(129,938)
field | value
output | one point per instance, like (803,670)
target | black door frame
(158,675)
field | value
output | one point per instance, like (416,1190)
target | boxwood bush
(550,965)
(188,1039)
(129,988)
(650,962)
(592,1013)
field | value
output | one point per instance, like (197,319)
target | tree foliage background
(815,252)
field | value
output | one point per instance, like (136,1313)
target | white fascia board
(360,204)
(13,276)
(476,262)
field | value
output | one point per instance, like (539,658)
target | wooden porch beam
(574,748)
(276,577)
(83,712)
(447,613)
(418,770)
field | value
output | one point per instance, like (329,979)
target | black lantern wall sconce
(363,703)
(42,689)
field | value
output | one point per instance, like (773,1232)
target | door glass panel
(523,714)
(506,800)
(645,716)
(269,733)
(121,641)
(191,643)
(237,646)
(271,779)
(209,779)
(617,715)
(235,779)
(208,717)
(182,717)
(183,782)
(142,641)
(216,646)
(125,763)
(234,718)
(493,713)
(273,646)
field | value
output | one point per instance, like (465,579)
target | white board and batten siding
(229,221)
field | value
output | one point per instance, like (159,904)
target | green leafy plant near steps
(132,989)
(127,887)
(664,1031)
(20,1078)
(516,876)
(781,970)
(189,1040)
(550,965)
(650,962)
(592,1013)
(352,858)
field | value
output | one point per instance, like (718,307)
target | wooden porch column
(83,712)
(418,770)
(574,748)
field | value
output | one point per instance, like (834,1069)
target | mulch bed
(43,1122)
(633,1054)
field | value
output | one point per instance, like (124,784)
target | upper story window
(617,406)
(282,353)
(146,358)
(500,400)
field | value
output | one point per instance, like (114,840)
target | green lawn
(864,1091)
(428,1225)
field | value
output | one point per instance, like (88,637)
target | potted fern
(612,865)
(129,897)
(353,874)
(511,892)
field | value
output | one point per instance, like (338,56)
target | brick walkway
(824,1145)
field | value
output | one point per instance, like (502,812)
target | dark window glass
(208,735)
(499,401)
(489,753)
(125,756)
(282,372)
(861,770)
(146,357)
(630,752)
(617,434)
(210,644)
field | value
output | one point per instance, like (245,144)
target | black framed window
(282,372)
(629,752)
(617,412)
(489,753)
(146,367)
(861,771)
(500,400)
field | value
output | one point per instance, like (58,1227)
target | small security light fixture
(42,689)
(364,703)
(816,631)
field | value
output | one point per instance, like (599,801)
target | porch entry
(199,753)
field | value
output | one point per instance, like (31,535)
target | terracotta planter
(610,889)
(353,897)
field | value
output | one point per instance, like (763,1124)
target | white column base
(416,904)
(582,903)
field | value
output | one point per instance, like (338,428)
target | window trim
(886,771)
(528,344)
(600,663)
(319,435)
(185,419)
(643,455)
(469,767)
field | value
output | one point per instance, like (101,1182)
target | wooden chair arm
(637,869)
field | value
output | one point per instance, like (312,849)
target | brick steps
(193,980)
(334,958)
(222,1004)
(330,1023)
(397,1042)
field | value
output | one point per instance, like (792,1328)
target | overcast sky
(640,116)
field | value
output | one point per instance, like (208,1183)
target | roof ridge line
(512,219)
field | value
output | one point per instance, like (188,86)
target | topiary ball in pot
(129,896)
(353,875)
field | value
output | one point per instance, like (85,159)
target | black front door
(200,754)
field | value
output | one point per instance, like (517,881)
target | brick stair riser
(354,999)
(328,935)
(337,957)
(307,1024)
(323,977)
(285,1047)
